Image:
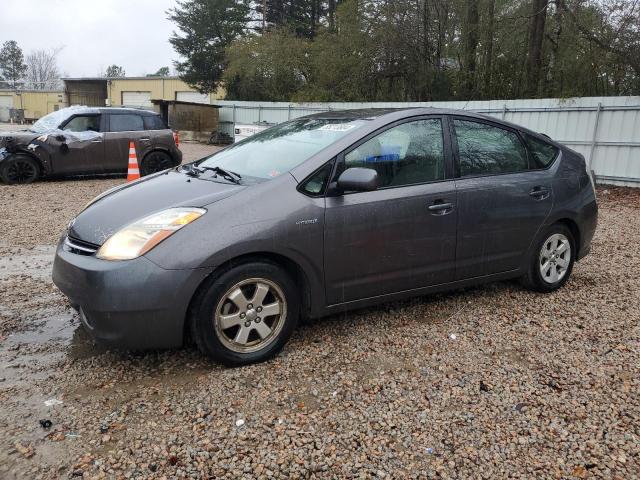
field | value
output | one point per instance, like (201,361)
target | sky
(93,33)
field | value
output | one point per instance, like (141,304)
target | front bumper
(132,304)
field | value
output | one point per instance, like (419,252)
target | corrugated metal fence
(606,130)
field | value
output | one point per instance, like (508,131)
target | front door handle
(539,192)
(440,207)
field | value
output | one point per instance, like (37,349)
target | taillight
(176,138)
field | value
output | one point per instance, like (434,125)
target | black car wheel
(246,314)
(156,161)
(19,169)
(552,260)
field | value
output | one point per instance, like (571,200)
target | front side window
(277,150)
(316,184)
(407,154)
(487,150)
(542,153)
(125,123)
(83,123)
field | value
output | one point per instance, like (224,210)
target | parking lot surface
(489,382)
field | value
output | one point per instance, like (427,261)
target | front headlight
(139,237)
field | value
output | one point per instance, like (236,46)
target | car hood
(124,205)
(21,137)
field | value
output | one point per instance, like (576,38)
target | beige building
(101,92)
(34,103)
(133,91)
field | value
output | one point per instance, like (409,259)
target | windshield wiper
(227,174)
(191,170)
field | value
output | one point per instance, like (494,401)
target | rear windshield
(278,149)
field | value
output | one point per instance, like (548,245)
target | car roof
(116,110)
(374,113)
(392,114)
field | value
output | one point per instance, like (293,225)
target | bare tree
(42,69)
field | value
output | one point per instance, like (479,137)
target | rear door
(122,129)
(160,136)
(502,201)
(83,154)
(403,235)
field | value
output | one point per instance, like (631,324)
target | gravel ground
(490,382)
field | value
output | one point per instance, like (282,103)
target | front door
(403,235)
(502,201)
(83,150)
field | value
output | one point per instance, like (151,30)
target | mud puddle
(35,262)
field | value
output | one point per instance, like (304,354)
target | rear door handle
(539,192)
(440,207)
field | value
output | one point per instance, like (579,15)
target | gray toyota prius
(322,214)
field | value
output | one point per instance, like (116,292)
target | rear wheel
(156,161)
(552,260)
(19,169)
(245,315)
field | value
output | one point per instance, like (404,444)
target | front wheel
(552,260)
(245,315)
(19,169)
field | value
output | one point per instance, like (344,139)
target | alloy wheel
(250,315)
(156,162)
(555,258)
(21,171)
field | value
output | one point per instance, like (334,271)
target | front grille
(80,247)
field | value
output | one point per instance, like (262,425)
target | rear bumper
(176,154)
(587,223)
(131,304)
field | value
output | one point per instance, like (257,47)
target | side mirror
(358,180)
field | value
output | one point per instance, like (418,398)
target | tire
(19,169)
(155,161)
(233,332)
(552,259)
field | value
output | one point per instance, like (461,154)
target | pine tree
(205,29)
(12,63)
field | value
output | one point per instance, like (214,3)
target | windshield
(277,150)
(53,120)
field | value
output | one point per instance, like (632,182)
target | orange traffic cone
(133,172)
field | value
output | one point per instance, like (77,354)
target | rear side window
(487,150)
(154,122)
(126,123)
(407,154)
(542,153)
